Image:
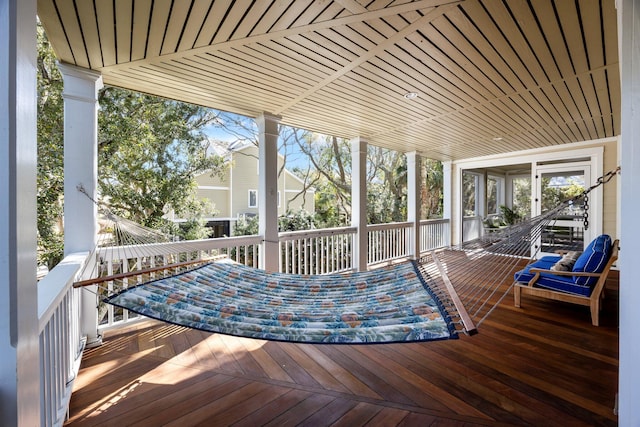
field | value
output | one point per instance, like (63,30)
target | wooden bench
(593,301)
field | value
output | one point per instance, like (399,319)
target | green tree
(298,220)
(150,150)
(553,194)
(522,196)
(469,183)
(246,226)
(330,173)
(50,182)
(431,190)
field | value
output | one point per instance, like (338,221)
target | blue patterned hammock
(386,305)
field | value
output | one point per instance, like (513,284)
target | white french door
(554,184)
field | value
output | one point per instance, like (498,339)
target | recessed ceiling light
(497,138)
(411,95)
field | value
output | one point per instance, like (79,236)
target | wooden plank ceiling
(534,73)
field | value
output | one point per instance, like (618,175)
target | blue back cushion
(593,259)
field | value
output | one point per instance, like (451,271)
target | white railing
(61,343)
(388,242)
(322,251)
(434,233)
(120,259)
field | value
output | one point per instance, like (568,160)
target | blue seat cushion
(593,259)
(552,281)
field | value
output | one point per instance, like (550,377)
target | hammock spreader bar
(466,320)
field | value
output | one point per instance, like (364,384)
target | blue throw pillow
(593,259)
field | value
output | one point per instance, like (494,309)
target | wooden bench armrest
(565,273)
(538,271)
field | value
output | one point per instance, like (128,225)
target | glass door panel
(555,186)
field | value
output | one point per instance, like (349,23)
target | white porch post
(629,371)
(268,190)
(19,332)
(448,194)
(80,95)
(413,200)
(359,201)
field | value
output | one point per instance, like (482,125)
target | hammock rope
(468,280)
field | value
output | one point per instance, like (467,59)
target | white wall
(19,361)
(629,373)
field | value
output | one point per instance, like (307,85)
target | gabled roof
(490,76)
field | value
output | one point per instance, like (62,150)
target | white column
(629,371)
(448,194)
(80,95)
(414,174)
(19,345)
(268,190)
(359,201)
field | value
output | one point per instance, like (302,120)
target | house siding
(216,190)
(230,194)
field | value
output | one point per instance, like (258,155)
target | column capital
(358,144)
(413,157)
(81,84)
(264,116)
(268,123)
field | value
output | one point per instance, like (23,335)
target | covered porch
(487,85)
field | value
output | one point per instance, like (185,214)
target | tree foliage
(554,193)
(522,196)
(149,151)
(431,190)
(50,182)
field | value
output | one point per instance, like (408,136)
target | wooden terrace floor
(543,364)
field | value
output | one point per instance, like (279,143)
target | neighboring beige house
(235,195)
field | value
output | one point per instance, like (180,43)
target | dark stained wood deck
(543,364)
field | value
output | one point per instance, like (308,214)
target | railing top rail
(55,285)
(292,235)
(389,226)
(434,221)
(151,249)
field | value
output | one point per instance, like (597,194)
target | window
(469,193)
(495,194)
(521,195)
(253,198)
